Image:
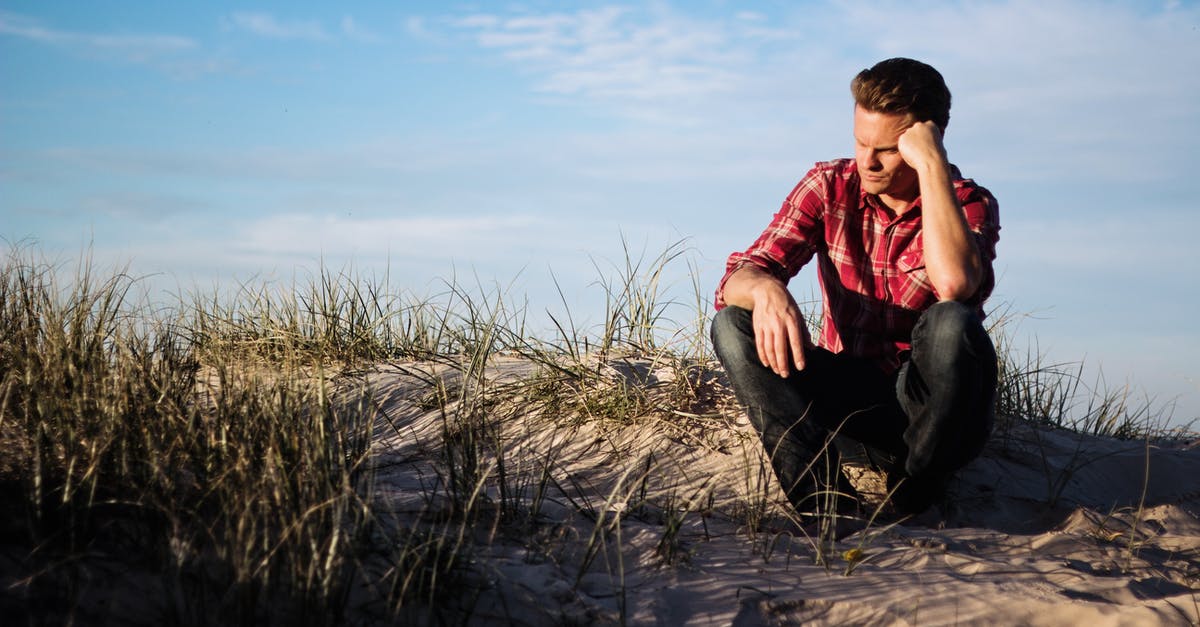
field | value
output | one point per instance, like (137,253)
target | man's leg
(947,389)
(796,417)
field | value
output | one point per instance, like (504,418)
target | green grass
(1057,395)
(221,446)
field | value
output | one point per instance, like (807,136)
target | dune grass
(131,442)
(1058,395)
(212,460)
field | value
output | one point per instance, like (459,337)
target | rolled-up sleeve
(983,218)
(790,240)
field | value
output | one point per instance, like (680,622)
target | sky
(527,144)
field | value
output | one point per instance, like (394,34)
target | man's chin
(874,187)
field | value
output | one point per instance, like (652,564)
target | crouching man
(904,248)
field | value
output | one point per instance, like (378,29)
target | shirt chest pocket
(911,260)
(911,265)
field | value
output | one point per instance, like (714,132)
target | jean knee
(732,319)
(951,328)
(947,319)
(731,328)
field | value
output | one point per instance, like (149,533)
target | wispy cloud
(355,31)
(1076,88)
(135,47)
(614,53)
(174,55)
(1079,88)
(269,26)
(415,27)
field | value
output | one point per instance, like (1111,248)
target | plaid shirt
(871,263)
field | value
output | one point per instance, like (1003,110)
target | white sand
(1046,528)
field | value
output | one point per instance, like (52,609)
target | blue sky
(204,142)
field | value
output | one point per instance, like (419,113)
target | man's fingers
(796,338)
(768,342)
(760,343)
(765,339)
(781,354)
(780,344)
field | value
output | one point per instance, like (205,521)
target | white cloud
(614,53)
(134,47)
(477,21)
(176,56)
(355,31)
(1043,91)
(1097,91)
(267,25)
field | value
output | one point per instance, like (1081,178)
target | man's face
(880,166)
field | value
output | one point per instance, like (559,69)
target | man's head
(890,97)
(905,87)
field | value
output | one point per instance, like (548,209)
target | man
(904,249)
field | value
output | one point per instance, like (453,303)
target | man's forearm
(745,283)
(951,256)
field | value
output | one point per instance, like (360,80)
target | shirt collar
(872,201)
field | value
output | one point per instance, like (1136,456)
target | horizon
(524,145)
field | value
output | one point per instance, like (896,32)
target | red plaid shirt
(871,264)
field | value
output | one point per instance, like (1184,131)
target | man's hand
(779,332)
(921,146)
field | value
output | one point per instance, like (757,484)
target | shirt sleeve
(794,235)
(983,218)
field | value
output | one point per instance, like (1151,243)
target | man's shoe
(913,495)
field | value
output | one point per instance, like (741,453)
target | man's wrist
(935,164)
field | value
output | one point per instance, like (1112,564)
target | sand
(670,517)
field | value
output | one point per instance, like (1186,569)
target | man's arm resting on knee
(778,323)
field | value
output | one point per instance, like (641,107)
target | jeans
(923,422)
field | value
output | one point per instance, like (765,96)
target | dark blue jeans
(924,422)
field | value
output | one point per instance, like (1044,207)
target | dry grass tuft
(218,462)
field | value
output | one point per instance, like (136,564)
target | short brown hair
(904,86)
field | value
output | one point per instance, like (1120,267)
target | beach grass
(213,459)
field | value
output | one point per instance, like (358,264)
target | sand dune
(669,517)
